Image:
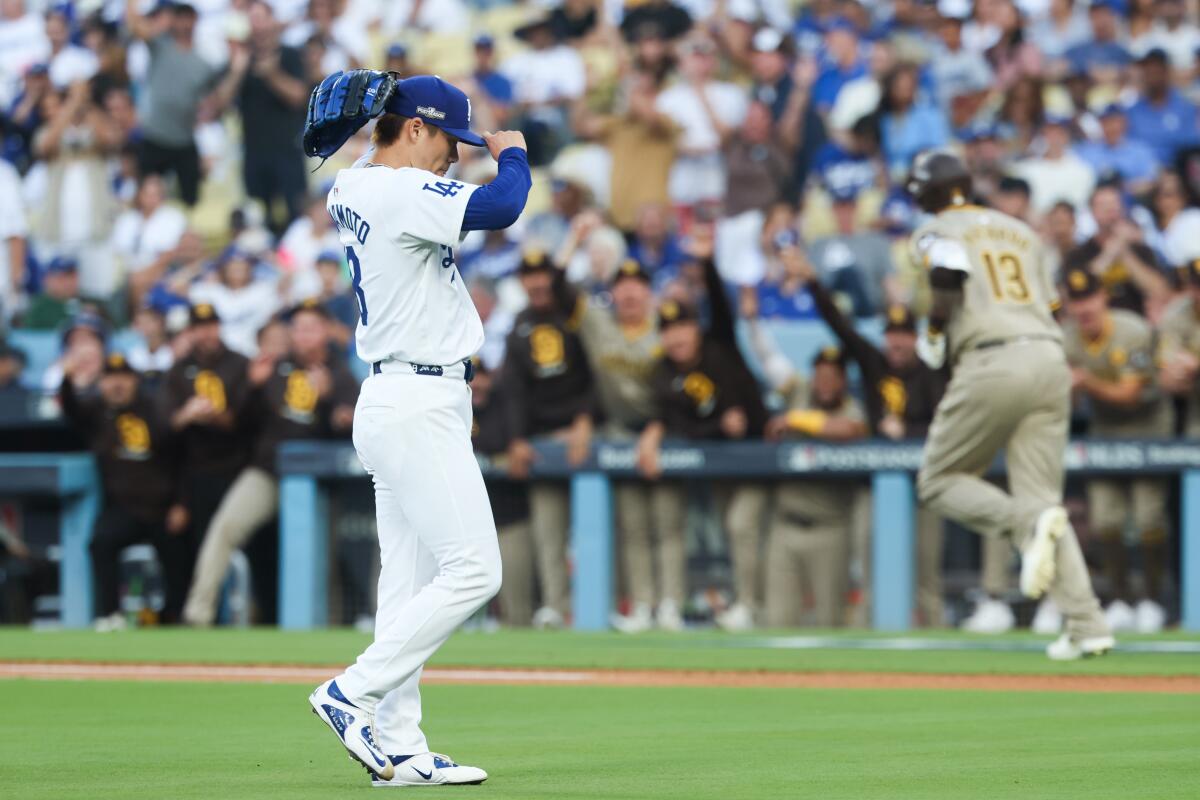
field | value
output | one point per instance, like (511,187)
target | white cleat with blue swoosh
(354,727)
(428,769)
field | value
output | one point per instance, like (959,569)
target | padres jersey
(1179,331)
(622,364)
(210,449)
(814,501)
(1125,350)
(399,228)
(1009,290)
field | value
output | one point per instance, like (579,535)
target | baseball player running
(400,218)
(1010,390)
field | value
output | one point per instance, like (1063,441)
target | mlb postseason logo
(431,112)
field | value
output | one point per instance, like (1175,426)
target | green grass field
(230,741)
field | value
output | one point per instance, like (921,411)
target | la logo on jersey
(445,188)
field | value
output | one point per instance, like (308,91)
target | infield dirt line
(254,673)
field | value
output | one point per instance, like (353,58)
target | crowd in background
(694,163)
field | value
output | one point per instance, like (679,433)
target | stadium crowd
(698,167)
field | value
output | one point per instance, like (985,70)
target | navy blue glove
(340,105)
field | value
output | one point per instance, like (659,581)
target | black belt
(987,344)
(431,369)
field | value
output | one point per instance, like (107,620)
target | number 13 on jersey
(1006,276)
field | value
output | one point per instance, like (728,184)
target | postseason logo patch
(431,112)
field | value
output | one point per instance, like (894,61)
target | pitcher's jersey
(400,228)
(1009,290)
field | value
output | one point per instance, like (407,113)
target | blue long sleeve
(498,204)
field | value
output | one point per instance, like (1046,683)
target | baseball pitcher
(399,218)
(992,318)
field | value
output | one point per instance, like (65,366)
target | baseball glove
(341,104)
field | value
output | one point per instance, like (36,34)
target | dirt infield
(665,678)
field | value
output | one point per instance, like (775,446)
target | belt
(987,344)
(465,368)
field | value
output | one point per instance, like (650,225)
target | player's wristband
(810,423)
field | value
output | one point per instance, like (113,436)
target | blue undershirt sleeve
(498,204)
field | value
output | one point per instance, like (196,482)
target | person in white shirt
(708,112)
(13,232)
(23,43)
(145,237)
(69,63)
(245,301)
(1057,174)
(1173,32)
(306,238)
(1177,225)
(546,79)
(152,352)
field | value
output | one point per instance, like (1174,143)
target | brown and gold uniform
(910,394)
(549,385)
(288,405)
(650,516)
(1009,390)
(138,467)
(1123,352)
(1179,339)
(809,537)
(690,402)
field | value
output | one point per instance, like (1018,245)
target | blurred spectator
(1111,353)
(77,209)
(808,542)
(343,39)
(908,123)
(15,400)
(497,320)
(1064,26)
(497,89)
(128,433)
(1161,117)
(1013,56)
(1173,32)
(853,262)
(655,245)
(549,229)
(395,60)
(306,395)
(546,78)
(509,499)
(267,82)
(152,355)
(1114,152)
(309,236)
(434,16)
(668,19)
(1013,198)
(23,42)
(1116,253)
(243,300)
(59,299)
(497,258)
(13,232)
(339,304)
(69,63)
(1101,55)
(146,237)
(83,340)
(707,112)
(1056,173)
(1059,231)
(205,392)
(786,297)
(963,77)
(703,389)
(842,63)
(642,143)
(1022,113)
(23,116)
(1179,349)
(591,253)
(549,385)
(1176,222)
(177,80)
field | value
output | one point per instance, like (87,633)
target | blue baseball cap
(1112,110)
(437,103)
(61,264)
(329,255)
(484,40)
(397,50)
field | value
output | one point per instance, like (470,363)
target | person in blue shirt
(1162,117)
(498,88)
(789,297)
(1135,162)
(1103,53)
(908,123)
(841,63)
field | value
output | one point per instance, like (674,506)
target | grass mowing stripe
(189,741)
(571,650)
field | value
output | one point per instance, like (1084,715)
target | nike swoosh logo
(426,776)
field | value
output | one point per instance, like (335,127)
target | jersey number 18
(356,281)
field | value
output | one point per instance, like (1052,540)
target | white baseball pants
(440,560)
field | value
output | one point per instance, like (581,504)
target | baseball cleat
(1120,616)
(736,619)
(353,726)
(1039,558)
(1068,648)
(991,616)
(1151,617)
(428,769)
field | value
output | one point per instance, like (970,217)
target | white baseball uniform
(412,430)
